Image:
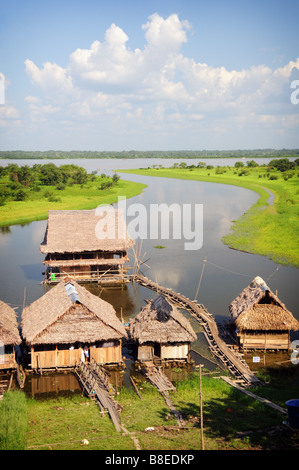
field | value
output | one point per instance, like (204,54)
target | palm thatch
(9,333)
(258,308)
(266,317)
(69,313)
(77,231)
(161,322)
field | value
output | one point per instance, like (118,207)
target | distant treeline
(53,154)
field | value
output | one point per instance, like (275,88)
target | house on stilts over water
(261,320)
(67,322)
(10,338)
(162,333)
(88,245)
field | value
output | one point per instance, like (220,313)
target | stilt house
(68,321)
(262,321)
(9,337)
(86,245)
(162,332)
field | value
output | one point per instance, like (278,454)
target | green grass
(268,230)
(87,196)
(13,421)
(63,423)
(226,413)
(231,419)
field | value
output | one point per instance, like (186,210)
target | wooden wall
(147,351)
(175,351)
(7,361)
(107,355)
(264,340)
(56,358)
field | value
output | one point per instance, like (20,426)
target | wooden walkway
(233,363)
(5,384)
(157,378)
(95,382)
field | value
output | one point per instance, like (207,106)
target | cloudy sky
(148,75)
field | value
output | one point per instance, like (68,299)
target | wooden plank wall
(264,341)
(175,351)
(7,361)
(69,358)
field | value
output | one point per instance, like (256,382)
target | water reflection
(51,385)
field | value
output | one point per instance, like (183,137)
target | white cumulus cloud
(109,82)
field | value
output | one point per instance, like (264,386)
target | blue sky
(148,75)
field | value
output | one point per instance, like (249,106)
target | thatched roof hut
(67,317)
(257,309)
(161,322)
(9,333)
(76,231)
(62,316)
(9,336)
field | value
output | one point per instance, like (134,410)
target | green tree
(115,178)
(252,164)
(282,164)
(50,175)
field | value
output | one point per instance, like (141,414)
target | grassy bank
(270,230)
(13,421)
(231,419)
(89,195)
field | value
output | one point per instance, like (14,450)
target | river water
(226,272)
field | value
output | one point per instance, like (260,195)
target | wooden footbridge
(95,383)
(233,363)
(157,378)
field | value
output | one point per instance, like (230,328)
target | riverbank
(231,420)
(269,230)
(76,197)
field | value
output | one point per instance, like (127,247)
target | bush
(48,193)
(252,164)
(2,200)
(20,195)
(54,199)
(115,178)
(282,164)
(244,173)
(219,171)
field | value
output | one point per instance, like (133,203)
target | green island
(267,229)
(27,194)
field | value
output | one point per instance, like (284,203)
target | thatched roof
(258,308)
(69,313)
(9,333)
(266,317)
(161,322)
(85,230)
